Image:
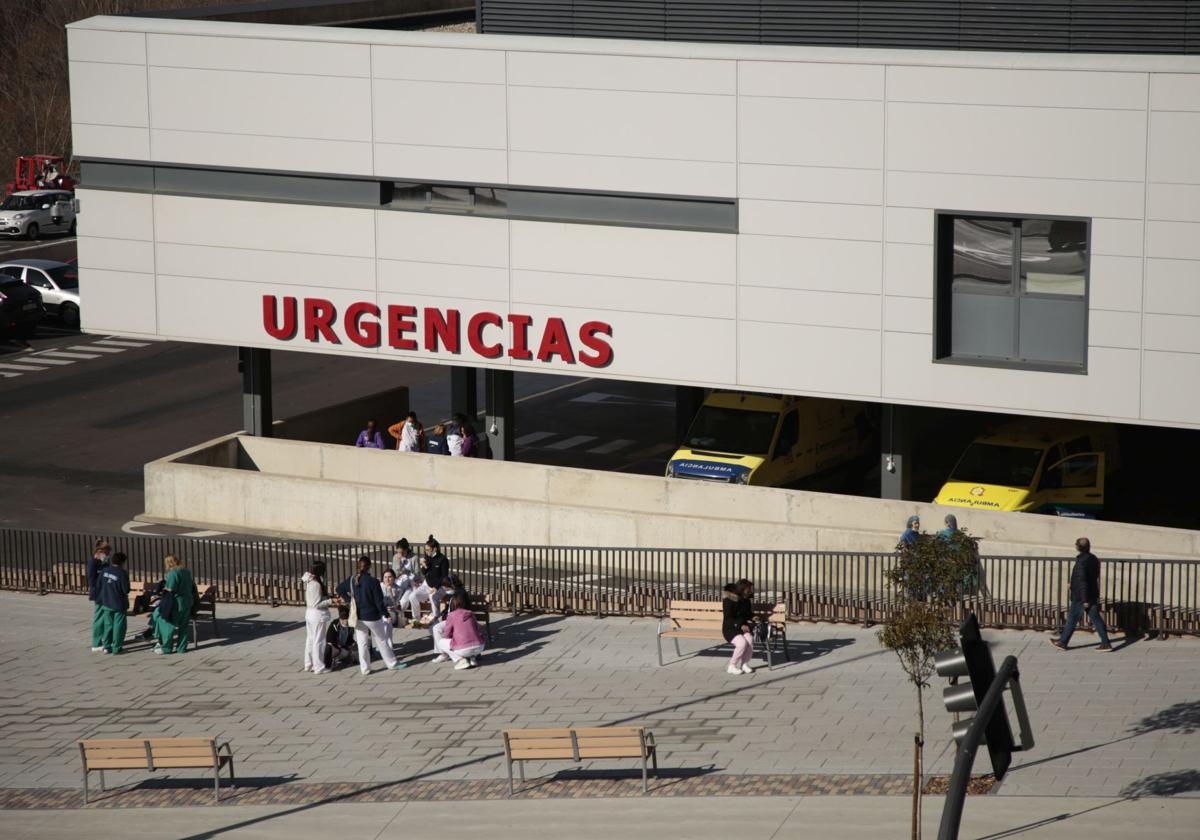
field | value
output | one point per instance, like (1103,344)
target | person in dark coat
(1085,597)
(101,551)
(370,620)
(737,625)
(112,594)
(437,571)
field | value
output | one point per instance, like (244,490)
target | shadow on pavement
(1183,718)
(1055,820)
(661,780)
(1164,784)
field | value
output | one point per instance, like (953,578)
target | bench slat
(558,752)
(114,742)
(609,730)
(180,742)
(189,762)
(515,734)
(120,763)
(611,752)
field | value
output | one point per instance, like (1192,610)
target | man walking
(1085,596)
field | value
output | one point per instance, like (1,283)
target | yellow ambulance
(739,438)
(1040,466)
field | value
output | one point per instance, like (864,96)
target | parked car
(34,212)
(20,307)
(56,282)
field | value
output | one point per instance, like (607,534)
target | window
(1012,291)
(732,430)
(1076,471)
(12,271)
(1005,466)
(35,278)
(65,276)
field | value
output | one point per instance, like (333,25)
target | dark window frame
(943,278)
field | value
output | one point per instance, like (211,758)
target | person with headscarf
(911,531)
(951,527)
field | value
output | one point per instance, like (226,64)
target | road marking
(202,534)
(8,375)
(65,355)
(570,442)
(6,254)
(532,437)
(44,360)
(21,368)
(618,399)
(109,342)
(93,348)
(552,390)
(610,447)
(138,529)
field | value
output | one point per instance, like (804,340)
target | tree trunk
(918,756)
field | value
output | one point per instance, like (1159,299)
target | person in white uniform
(316,617)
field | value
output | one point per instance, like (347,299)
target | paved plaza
(837,719)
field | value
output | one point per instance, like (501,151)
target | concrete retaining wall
(297,489)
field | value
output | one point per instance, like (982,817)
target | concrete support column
(257,410)
(499,413)
(687,402)
(463,389)
(895,471)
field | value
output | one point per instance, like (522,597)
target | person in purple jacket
(370,437)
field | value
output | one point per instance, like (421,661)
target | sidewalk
(837,719)
(750,818)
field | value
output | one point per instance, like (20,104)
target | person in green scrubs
(172,632)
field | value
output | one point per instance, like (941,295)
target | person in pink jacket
(462,640)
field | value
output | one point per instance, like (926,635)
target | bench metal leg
(85,787)
(645,784)
(510,779)
(102,781)
(654,758)
(678,652)
(660,659)
(217,783)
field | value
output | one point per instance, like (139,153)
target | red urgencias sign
(442,330)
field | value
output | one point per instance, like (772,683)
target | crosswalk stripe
(21,368)
(112,342)
(611,446)
(570,442)
(92,348)
(63,354)
(532,437)
(46,360)
(7,375)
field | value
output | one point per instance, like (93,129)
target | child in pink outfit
(462,639)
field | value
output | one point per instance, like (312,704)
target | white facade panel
(1163,400)
(1024,88)
(909,225)
(1117,237)
(907,314)
(623,174)
(1114,329)
(440,114)
(1175,91)
(433,64)
(790,262)
(108,94)
(116,215)
(429,279)
(433,237)
(1038,142)
(625,252)
(908,270)
(228,102)
(266,267)
(810,132)
(794,218)
(810,183)
(623,294)
(1176,240)
(1174,138)
(1116,283)
(995,194)
(798,306)
(633,124)
(129,255)
(440,163)
(1173,286)
(824,80)
(806,359)
(622,72)
(110,141)
(1173,202)
(125,302)
(291,228)
(1176,333)
(260,55)
(106,47)
(297,154)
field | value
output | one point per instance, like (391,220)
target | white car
(57,282)
(34,212)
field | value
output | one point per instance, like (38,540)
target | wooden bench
(155,754)
(481,608)
(578,745)
(141,601)
(702,620)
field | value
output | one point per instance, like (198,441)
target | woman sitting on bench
(738,625)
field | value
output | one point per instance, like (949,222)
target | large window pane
(984,325)
(983,255)
(1053,330)
(1053,256)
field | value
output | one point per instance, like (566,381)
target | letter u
(287,331)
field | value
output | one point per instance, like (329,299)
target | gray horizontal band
(718,215)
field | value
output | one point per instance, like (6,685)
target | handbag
(353,621)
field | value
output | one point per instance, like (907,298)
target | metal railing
(1019,592)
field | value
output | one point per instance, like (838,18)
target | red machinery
(34,168)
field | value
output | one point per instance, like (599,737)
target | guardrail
(1160,596)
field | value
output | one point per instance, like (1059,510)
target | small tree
(930,576)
